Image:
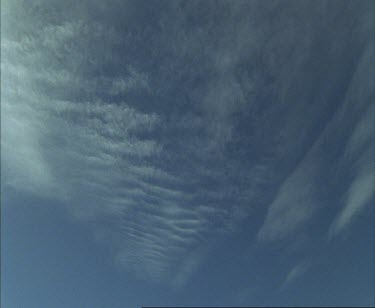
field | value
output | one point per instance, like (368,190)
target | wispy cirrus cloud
(359,154)
(295,273)
(346,140)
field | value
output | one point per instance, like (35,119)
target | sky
(187,153)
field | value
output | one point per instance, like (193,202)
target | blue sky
(187,153)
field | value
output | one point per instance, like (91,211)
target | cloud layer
(166,130)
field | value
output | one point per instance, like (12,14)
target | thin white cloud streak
(295,273)
(360,153)
(292,207)
(360,193)
(298,198)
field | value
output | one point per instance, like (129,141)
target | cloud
(135,81)
(344,137)
(360,193)
(169,127)
(296,272)
(359,153)
(359,149)
(292,207)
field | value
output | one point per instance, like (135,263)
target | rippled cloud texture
(167,125)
